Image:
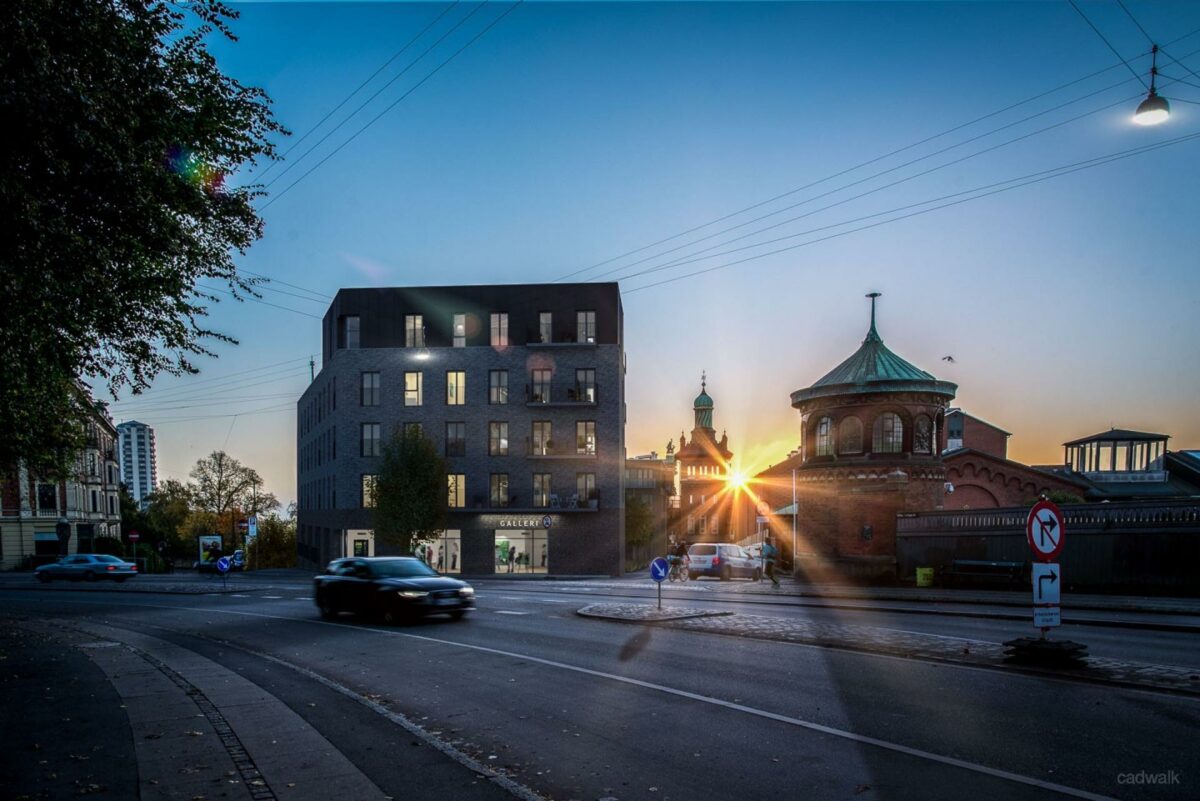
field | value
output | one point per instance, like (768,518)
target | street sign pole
(1044,531)
(659,568)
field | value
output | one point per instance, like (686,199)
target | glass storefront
(443,554)
(521,550)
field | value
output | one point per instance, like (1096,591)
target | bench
(979,570)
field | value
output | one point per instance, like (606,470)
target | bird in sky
(948,359)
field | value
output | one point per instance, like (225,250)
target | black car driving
(391,588)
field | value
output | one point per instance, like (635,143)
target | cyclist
(677,556)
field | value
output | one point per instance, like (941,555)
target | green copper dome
(873,368)
(702,401)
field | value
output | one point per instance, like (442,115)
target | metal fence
(1128,546)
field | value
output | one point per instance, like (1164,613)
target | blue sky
(572,133)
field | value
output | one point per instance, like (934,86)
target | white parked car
(722,560)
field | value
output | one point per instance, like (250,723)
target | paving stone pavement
(979,653)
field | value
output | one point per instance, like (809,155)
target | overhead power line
(1104,39)
(866,163)
(190,387)
(320,295)
(693,257)
(378,92)
(1003,186)
(253,299)
(359,88)
(880,174)
(394,103)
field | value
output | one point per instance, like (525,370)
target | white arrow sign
(1047,582)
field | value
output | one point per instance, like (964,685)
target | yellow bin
(924,576)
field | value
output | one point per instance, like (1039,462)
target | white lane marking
(273,597)
(237,595)
(527,599)
(508,612)
(302,598)
(927,634)
(749,710)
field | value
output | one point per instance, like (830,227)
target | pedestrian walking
(770,553)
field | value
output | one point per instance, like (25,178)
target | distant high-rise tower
(139,468)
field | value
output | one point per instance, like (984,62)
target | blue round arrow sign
(223,564)
(659,569)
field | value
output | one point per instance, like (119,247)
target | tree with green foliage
(229,491)
(120,130)
(167,511)
(410,494)
(639,521)
(275,545)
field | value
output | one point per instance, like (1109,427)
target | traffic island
(904,644)
(641,613)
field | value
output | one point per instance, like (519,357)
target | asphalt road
(585,709)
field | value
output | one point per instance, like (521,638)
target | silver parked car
(723,560)
(87,567)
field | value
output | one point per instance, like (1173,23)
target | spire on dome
(872,334)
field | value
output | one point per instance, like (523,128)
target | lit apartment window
(585,437)
(368,490)
(498,439)
(540,444)
(413,392)
(456,439)
(585,385)
(456,388)
(369,394)
(539,390)
(541,490)
(499,330)
(414,331)
(348,335)
(499,490)
(370,439)
(460,330)
(456,490)
(545,326)
(585,327)
(498,386)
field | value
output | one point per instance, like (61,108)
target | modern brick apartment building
(521,387)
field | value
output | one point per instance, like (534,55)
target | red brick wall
(982,483)
(981,436)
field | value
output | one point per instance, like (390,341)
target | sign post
(133,541)
(1045,533)
(658,571)
(223,569)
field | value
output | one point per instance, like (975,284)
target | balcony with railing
(551,449)
(533,505)
(534,338)
(561,394)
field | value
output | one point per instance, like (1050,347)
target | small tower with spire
(704,463)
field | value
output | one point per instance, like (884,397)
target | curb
(127,590)
(665,615)
(863,648)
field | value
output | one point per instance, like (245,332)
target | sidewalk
(913,645)
(129,715)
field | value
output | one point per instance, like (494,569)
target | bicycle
(679,569)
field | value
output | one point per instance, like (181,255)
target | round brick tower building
(871,432)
